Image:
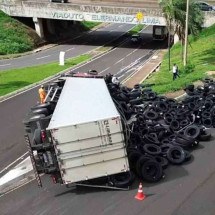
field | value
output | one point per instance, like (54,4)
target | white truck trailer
(84,138)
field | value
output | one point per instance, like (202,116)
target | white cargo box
(87,131)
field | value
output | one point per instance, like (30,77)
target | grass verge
(201,55)
(136,29)
(15,79)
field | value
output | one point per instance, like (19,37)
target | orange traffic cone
(140,195)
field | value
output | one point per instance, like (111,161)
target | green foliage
(189,68)
(201,55)
(14,36)
(15,79)
(136,29)
(175,15)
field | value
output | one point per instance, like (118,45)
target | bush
(189,68)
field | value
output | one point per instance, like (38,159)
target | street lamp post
(186,34)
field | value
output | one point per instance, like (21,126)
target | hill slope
(15,37)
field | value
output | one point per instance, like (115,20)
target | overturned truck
(93,132)
(78,135)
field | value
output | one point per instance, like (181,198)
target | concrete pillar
(50,26)
(39,26)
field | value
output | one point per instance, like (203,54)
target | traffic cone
(140,195)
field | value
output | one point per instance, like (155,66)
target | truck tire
(41,111)
(36,117)
(39,106)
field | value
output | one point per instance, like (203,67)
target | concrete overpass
(111,11)
(121,11)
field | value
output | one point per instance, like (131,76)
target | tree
(175,14)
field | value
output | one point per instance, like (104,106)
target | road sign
(139,16)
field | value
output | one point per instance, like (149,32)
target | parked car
(136,38)
(205,6)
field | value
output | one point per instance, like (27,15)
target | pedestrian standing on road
(42,94)
(175,71)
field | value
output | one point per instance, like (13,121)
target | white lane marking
(120,26)
(111,30)
(119,61)
(104,70)
(69,49)
(43,57)
(7,167)
(8,64)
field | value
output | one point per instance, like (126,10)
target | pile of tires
(163,131)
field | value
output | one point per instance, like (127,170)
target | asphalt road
(82,44)
(121,60)
(186,190)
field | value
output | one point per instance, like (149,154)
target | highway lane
(13,110)
(78,46)
(186,190)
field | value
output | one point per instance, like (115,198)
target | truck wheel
(45,105)
(36,118)
(40,111)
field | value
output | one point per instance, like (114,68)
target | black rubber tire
(151,171)
(207,122)
(192,131)
(162,161)
(36,117)
(41,111)
(175,125)
(151,115)
(39,106)
(165,148)
(141,161)
(152,149)
(123,180)
(176,155)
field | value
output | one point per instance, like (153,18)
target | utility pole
(169,40)
(186,34)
